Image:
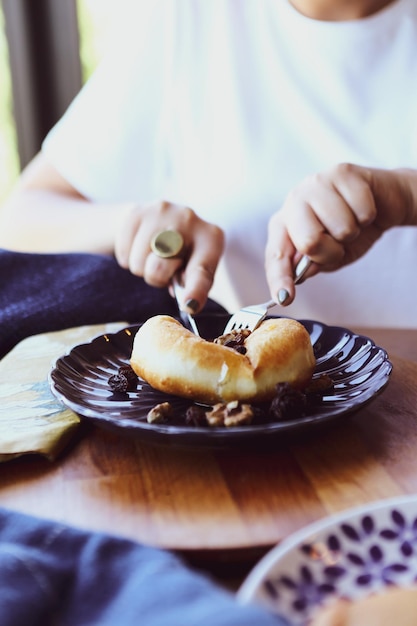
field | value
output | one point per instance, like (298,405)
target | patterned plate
(348,555)
(359,369)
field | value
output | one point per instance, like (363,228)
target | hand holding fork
(250,317)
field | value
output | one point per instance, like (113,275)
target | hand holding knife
(188,320)
(169,244)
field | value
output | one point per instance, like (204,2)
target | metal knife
(186,318)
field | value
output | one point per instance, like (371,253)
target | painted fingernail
(283,296)
(191,306)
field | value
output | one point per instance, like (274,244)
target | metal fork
(249,317)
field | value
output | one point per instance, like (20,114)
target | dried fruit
(125,380)
(235,340)
(118,383)
(288,403)
(132,377)
(196,416)
(320,385)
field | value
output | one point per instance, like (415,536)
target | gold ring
(167,244)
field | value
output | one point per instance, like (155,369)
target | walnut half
(231,414)
(160,413)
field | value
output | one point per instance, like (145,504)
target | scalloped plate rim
(220,433)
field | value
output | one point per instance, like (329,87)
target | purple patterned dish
(350,555)
(360,371)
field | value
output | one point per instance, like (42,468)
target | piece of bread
(174,360)
(393,606)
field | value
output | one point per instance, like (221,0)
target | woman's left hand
(334,218)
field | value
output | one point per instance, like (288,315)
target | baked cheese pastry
(174,360)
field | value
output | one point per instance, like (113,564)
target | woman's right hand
(203,247)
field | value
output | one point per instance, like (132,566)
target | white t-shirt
(225,105)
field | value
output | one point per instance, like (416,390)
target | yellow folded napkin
(32,420)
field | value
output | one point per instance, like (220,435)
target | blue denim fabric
(55,575)
(46,292)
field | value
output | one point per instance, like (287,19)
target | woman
(261,131)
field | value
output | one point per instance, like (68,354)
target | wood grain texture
(194,500)
(221,510)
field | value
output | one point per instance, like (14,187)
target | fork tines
(249,317)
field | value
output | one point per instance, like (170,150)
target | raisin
(234,340)
(118,383)
(288,403)
(320,385)
(232,343)
(131,376)
(195,416)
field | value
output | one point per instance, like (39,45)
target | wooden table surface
(226,508)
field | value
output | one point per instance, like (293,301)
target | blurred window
(95,21)
(41,44)
(9,157)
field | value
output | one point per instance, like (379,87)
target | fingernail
(283,296)
(191,306)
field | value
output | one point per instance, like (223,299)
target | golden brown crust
(170,358)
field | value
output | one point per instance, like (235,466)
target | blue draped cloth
(55,575)
(47,292)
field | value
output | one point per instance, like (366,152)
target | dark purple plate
(359,369)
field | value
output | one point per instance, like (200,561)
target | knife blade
(186,318)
